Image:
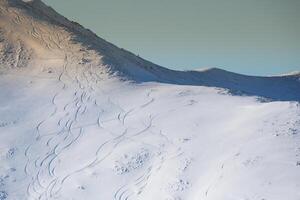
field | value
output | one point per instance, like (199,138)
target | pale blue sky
(255,37)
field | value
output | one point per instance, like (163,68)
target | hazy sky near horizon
(255,37)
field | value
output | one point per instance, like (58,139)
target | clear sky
(255,37)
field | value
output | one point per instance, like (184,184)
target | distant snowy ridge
(293,73)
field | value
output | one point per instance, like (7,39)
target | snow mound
(131,162)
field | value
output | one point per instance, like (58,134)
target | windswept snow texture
(81,119)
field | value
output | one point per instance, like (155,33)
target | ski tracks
(41,168)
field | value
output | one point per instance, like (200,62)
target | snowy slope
(82,119)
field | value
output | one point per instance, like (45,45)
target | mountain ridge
(34,35)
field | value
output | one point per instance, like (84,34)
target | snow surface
(82,119)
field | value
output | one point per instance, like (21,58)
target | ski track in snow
(46,162)
(43,166)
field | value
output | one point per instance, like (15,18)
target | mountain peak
(34,31)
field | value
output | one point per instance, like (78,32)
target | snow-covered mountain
(83,119)
(34,35)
